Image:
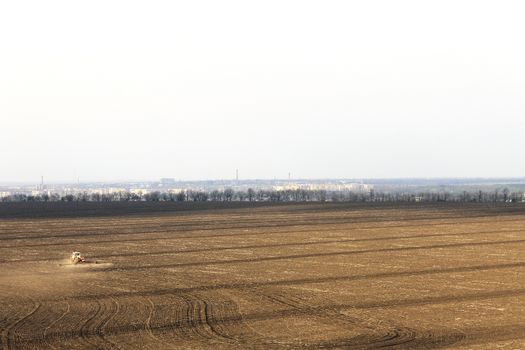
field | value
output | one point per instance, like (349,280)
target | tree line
(297,195)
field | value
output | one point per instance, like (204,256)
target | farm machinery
(76,258)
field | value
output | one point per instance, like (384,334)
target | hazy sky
(106,90)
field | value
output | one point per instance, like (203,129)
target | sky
(139,90)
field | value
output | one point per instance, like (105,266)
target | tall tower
(236,174)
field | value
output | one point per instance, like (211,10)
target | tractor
(76,258)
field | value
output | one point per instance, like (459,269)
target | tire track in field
(443,338)
(10,332)
(395,338)
(170,318)
(197,319)
(224,319)
(86,328)
(147,324)
(210,320)
(100,329)
(35,328)
(213,318)
(92,330)
(192,317)
(55,321)
(391,335)
(220,317)
(6,316)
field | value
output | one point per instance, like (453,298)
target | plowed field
(265,277)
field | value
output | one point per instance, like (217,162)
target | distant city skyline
(175,181)
(170,187)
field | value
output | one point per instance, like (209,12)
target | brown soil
(263,277)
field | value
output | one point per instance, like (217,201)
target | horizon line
(355,179)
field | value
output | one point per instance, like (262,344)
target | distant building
(167,181)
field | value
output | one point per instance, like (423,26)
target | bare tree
(228,194)
(251,194)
